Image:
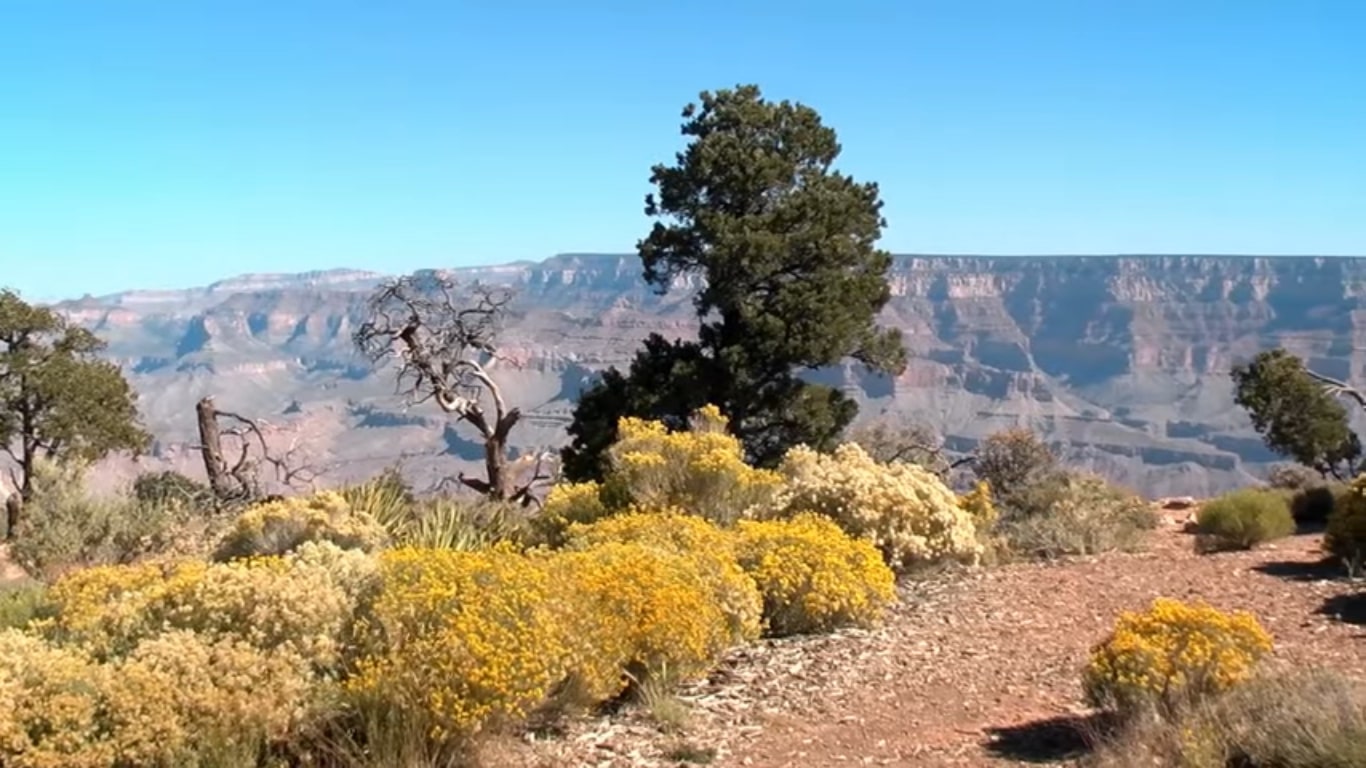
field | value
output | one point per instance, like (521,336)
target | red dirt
(976,669)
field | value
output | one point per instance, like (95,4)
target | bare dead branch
(900,440)
(541,477)
(240,480)
(441,336)
(1338,388)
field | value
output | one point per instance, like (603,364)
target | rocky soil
(971,669)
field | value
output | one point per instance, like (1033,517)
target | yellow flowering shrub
(567,504)
(638,610)
(108,610)
(980,507)
(904,509)
(1345,536)
(1172,653)
(711,550)
(813,576)
(277,527)
(701,469)
(460,638)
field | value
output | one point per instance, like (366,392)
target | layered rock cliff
(1123,361)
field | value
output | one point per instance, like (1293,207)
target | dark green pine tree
(793,281)
(1296,415)
(58,399)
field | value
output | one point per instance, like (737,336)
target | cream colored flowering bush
(269,603)
(277,527)
(303,603)
(222,697)
(177,697)
(903,509)
(50,706)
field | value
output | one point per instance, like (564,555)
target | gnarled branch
(443,338)
(1337,388)
(240,481)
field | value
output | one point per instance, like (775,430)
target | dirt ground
(977,669)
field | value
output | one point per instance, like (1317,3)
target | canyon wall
(1122,361)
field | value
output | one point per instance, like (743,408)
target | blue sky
(163,144)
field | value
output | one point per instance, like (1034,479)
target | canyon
(1121,362)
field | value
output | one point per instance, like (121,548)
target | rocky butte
(1121,360)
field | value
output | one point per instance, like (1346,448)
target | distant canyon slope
(1122,361)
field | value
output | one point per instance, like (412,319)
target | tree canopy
(57,398)
(1295,415)
(792,280)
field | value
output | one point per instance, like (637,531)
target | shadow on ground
(1349,609)
(1048,741)
(1328,568)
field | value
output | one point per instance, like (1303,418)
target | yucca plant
(453,523)
(386,497)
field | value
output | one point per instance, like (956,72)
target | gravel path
(979,669)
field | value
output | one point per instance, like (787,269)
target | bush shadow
(1066,737)
(1348,609)
(1327,569)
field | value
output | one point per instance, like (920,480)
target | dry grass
(668,711)
(1301,719)
(1075,513)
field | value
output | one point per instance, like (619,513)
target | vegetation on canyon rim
(709,498)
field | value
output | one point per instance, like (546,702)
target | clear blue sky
(161,144)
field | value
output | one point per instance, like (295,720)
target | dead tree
(902,441)
(444,340)
(240,480)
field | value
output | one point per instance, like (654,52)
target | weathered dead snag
(444,340)
(240,481)
(899,440)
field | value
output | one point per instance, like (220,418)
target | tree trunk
(30,452)
(495,466)
(211,447)
(14,506)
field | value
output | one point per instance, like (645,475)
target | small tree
(1295,412)
(444,338)
(792,279)
(1012,460)
(58,400)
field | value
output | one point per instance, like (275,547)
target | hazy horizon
(227,277)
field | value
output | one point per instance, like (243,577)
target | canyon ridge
(1121,361)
